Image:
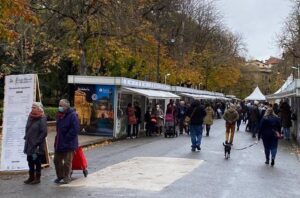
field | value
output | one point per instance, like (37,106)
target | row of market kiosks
(101,102)
(290,91)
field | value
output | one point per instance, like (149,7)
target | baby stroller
(170,130)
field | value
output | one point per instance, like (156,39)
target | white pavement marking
(140,173)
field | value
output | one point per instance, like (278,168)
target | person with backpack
(230,116)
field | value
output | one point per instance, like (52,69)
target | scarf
(60,115)
(36,114)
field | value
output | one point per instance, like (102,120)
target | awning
(153,94)
(198,96)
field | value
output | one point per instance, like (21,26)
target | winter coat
(131,118)
(231,115)
(67,128)
(268,126)
(209,118)
(159,114)
(254,114)
(285,115)
(198,115)
(147,117)
(35,135)
(181,112)
(138,114)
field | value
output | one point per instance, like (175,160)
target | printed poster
(94,105)
(19,94)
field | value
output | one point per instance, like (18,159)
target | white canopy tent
(288,81)
(256,95)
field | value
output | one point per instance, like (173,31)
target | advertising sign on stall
(94,105)
(18,97)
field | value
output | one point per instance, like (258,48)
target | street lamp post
(293,67)
(166,77)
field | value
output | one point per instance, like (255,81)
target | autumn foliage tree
(141,39)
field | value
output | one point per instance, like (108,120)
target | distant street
(159,167)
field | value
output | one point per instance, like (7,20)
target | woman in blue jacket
(268,127)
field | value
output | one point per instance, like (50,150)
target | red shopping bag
(79,160)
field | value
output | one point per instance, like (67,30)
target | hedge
(49,111)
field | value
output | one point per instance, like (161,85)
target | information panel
(20,91)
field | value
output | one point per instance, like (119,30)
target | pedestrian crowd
(263,120)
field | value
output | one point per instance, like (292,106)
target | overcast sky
(259,21)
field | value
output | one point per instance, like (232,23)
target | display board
(94,105)
(19,93)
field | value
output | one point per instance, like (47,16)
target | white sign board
(19,94)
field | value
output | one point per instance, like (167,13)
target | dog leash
(246,146)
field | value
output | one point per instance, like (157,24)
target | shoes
(198,147)
(267,162)
(207,134)
(66,181)
(238,129)
(57,180)
(254,136)
(272,162)
(193,149)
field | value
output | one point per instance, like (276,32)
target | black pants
(136,130)
(182,126)
(207,129)
(34,165)
(129,126)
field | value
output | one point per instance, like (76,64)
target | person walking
(209,118)
(239,121)
(286,119)
(230,116)
(34,147)
(269,125)
(196,114)
(131,120)
(254,118)
(66,141)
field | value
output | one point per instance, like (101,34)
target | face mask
(61,109)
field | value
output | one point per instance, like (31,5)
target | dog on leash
(227,149)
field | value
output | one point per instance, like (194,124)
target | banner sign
(94,105)
(19,93)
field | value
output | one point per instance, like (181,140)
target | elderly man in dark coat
(66,141)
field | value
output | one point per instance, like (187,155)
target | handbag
(278,135)
(169,117)
(153,120)
(187,119)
